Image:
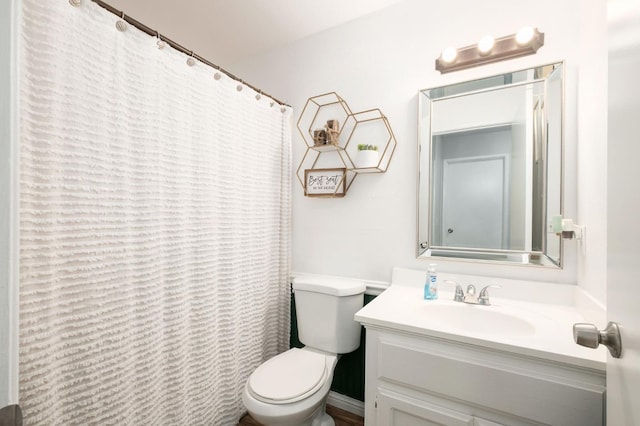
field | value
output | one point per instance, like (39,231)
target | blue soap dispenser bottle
(431,283)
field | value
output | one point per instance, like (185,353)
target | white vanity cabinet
(417,380)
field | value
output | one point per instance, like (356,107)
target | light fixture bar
(504,48)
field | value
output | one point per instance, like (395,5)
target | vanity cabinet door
(394,409)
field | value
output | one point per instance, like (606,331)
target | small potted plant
(367,156)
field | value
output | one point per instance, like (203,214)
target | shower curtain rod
(139,25)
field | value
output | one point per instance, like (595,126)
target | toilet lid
(289,377)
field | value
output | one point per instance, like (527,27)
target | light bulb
(449,55)
(486,44)
(524,35)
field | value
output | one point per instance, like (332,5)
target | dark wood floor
(341,417)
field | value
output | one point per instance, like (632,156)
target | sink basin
(479,319)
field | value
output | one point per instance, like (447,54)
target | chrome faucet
(471,297)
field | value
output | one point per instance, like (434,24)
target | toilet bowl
(291,389)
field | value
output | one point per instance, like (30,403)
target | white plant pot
(367,158)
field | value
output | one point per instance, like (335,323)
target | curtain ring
(190,61)
(259,95)
(160,43)
(218,74)
(121,25)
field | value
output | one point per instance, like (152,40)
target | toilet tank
(325,307)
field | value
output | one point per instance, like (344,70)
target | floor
(341,417)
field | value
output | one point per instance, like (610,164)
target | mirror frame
(512,257)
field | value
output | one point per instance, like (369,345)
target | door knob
(588,335)
(450,231)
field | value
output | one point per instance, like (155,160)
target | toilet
(291,388)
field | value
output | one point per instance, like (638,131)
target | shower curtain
(154,222)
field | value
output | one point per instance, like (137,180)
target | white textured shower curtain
(155,220)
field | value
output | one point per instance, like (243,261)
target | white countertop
(546,332)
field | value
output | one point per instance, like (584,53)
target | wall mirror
(490,172)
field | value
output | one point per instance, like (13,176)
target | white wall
(8,224)
(382,60)
(592,148)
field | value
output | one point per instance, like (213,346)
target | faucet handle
(483,297)
(459,293)
(459,296)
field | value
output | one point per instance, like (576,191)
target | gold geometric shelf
(315,114)
(369,127)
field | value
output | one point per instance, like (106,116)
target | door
(473,202)
(623,231)
(9,178)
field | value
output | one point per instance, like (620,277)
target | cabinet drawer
(395,409)
(499,382)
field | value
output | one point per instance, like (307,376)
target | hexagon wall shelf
(316,113)
(329,129)
(367,128)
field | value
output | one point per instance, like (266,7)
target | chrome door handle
(588,335)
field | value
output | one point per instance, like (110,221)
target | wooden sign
(325,182)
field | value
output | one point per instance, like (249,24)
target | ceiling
(230,31)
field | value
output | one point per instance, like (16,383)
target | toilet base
(317,418)
(323,420)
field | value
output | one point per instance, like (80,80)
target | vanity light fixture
(524,35)
(526,41)
(449,55)
(485,45)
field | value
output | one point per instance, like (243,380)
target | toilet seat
(289,377)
